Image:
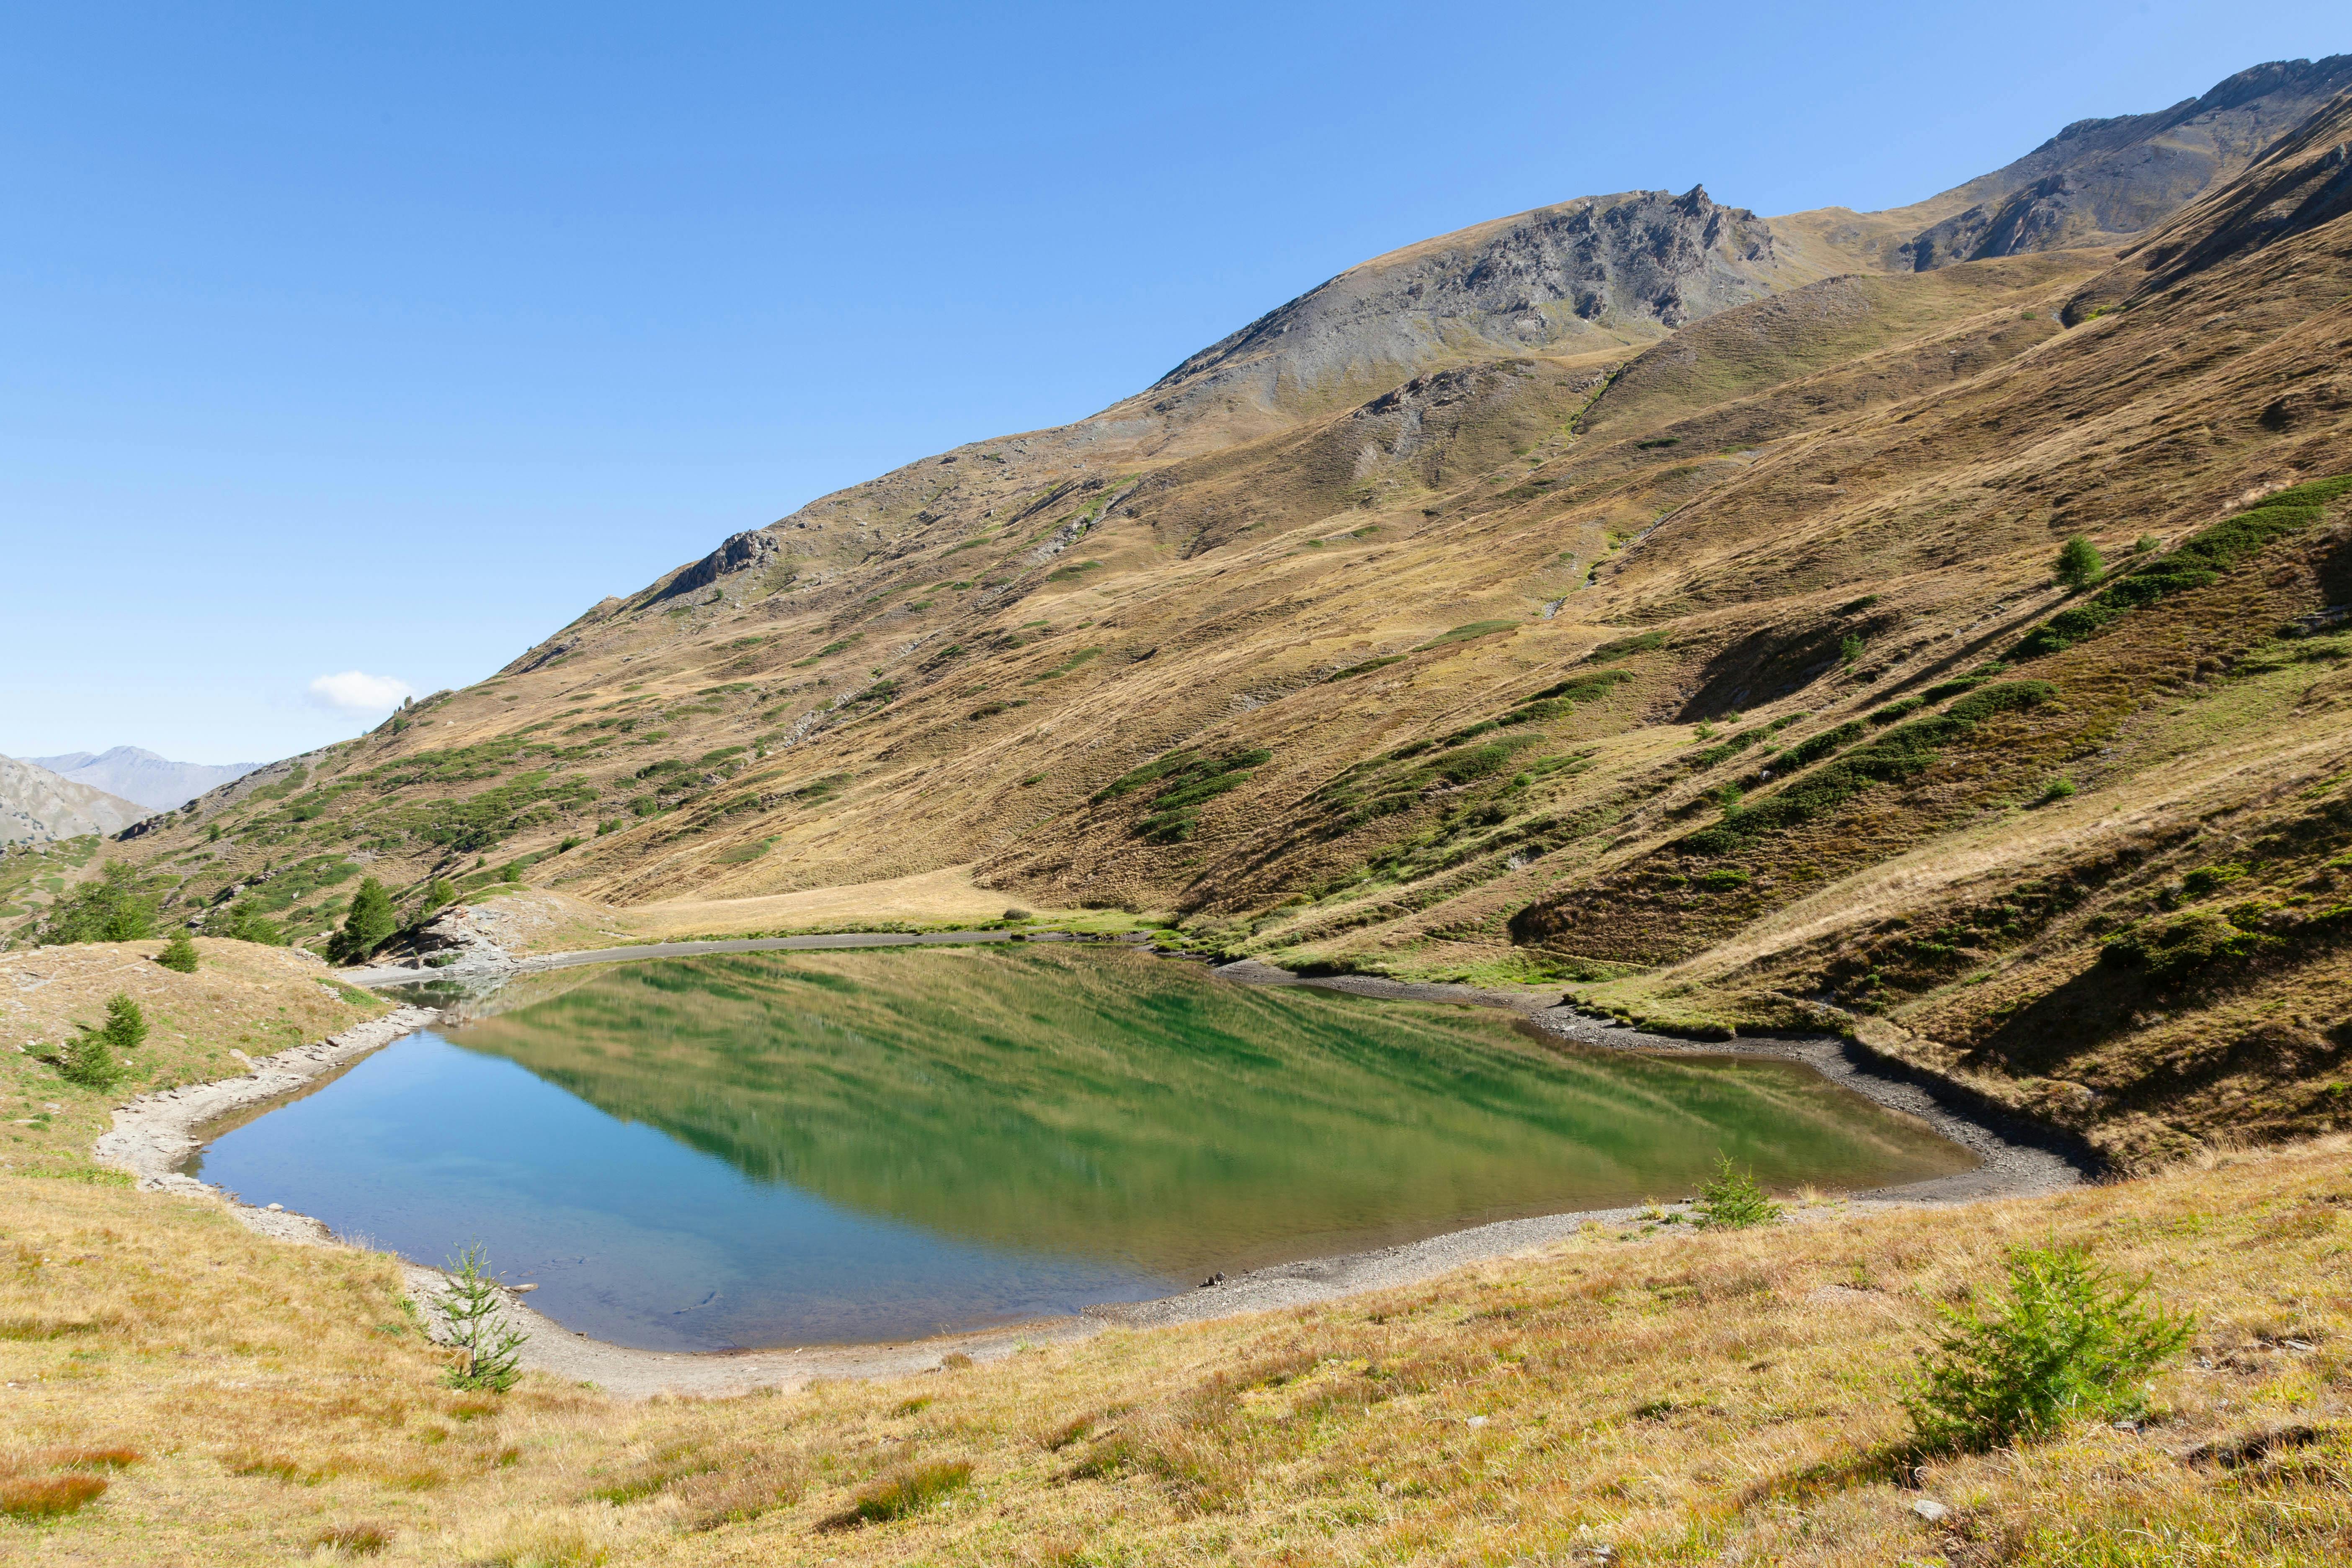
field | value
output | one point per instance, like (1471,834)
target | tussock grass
(49,1497)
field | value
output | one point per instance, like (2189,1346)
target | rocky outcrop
(456,945)
(2099,182)
(1646,260)
(742,552)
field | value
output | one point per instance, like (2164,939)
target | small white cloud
(359,694)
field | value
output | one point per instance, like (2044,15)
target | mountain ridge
(134,774)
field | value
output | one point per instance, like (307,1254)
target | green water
(773,1147)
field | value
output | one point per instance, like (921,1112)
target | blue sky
(347,339)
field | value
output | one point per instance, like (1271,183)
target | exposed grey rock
(742,552)
(2304,180)
(1646,259)
(2100,180)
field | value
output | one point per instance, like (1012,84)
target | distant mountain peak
(137,775)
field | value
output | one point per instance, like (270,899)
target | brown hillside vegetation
(1682,656)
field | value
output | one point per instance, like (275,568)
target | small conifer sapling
(2080,564)
(369,921)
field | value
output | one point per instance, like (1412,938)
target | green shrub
(1896,712)
(242,922)
(441,892)
(1641,643)
(1897,755)
(126,1025)
(111,909)
(2079,563)
(1365,668)
(179,954)
(1586,686)
(1849,646)
(2209,879)
(2145,544)
(2179,947)
(2059,788)
(1177,806)
(1733,1200)
(89,1061)
(2070,1343)
(1465,633)
(1722,880)
(1730,746)
(1812,748)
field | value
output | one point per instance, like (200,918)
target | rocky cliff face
(1598,272)
(2099,181)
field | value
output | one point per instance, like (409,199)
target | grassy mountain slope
(1459,678)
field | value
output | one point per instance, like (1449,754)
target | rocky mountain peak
(1596,272)
(2099,182)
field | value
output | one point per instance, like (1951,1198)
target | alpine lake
(855,1146)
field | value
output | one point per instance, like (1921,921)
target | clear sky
(372,341)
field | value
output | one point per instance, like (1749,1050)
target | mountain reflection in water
(894,1142)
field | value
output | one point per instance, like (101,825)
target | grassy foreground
(1675,1397)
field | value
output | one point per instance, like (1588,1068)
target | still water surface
(810,1148)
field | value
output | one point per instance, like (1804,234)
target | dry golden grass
(547,921)
(1678,1398)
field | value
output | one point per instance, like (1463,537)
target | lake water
(810,1148)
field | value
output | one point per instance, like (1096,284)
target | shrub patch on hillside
(1899,754)
(2199,560)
